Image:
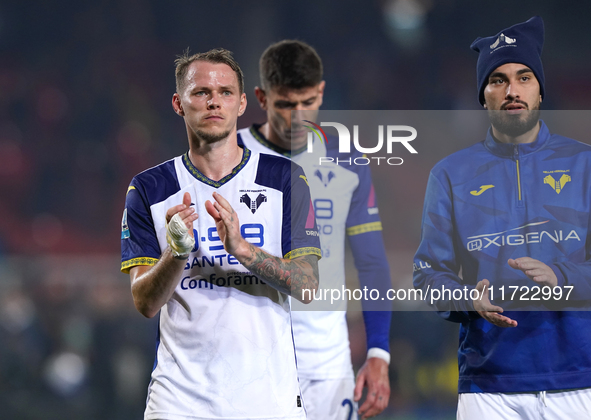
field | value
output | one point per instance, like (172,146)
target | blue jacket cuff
(559,275)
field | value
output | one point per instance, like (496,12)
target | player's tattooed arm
(291,276)
(288,276)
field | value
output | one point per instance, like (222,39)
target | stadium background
(85,92)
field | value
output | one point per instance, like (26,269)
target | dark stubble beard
(210,138)
(514,125)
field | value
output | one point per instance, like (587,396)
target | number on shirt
(323,208)
(348,402)
(253,231)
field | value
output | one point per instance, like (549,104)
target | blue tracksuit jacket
(491,202)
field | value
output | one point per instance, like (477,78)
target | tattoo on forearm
(291,276)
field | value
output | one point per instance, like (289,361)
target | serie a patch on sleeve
(124,226)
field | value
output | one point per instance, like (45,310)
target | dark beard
(514,125)
(210,138)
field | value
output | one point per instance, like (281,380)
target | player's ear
(243,102)
(321,86)
(261,97)
(484,105)
(176,105)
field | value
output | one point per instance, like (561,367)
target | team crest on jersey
(502,40)
(124,227)
(252,200)
(324,178)
(557,179)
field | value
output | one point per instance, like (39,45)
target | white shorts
(545,405)
(329,399)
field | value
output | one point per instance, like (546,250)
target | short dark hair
(218,55)
(290,63)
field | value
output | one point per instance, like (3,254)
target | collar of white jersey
(200,177)
(508,149)
(254,130)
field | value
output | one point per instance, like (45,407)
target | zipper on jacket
(516,158)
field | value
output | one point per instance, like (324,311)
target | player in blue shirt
(214,244)
(346,208)
(512,212)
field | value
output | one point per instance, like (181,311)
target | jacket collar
(509,149)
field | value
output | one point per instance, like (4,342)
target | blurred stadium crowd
(85,94)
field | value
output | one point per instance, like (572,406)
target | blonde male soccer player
(215,241)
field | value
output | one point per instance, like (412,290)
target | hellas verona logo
(557,185)
(345,143)
(324,179)
(502,41)
(253,205)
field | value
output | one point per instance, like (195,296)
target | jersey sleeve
(576,274)
(364,230)
(301,236)
(436,266)
(363,212)
(139,244)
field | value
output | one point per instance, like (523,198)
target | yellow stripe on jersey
(129,189)
(364,228)
(127,265)
(305,179)
(310,250)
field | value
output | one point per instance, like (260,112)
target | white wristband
(379,353)
(177,235)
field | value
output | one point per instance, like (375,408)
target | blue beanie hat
(521,43)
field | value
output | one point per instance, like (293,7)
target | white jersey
(344,203)
(225,348)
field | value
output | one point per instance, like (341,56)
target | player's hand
(186,212)
(373,375)
(179,228)
(489,311)
(536,270)
(227,224)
